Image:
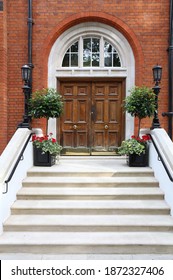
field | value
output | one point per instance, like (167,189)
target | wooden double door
(93,120)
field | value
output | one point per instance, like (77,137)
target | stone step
(87,243)
(52,172)
(89,223)
(89,205)
(90,193)
(90,182)
(98,207)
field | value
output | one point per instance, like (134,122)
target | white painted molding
(117,39)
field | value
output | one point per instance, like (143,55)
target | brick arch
(95,17)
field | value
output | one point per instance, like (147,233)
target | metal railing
(160,158)
(20,157)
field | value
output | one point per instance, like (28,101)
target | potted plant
(136,150)
(45,103)
(46,150)
(140,104)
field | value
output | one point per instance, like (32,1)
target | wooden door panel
(92,115)
(82,90)
(105,140)
(112,139)
(82,111)
(113,111)
(98,139)
(68,90)
(99,111)
(68,112)
(113,90)
(68,139)
(107,98)
(82,139)
(99,90)
(99,101)
(75,120)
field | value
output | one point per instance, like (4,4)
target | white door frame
(117,39)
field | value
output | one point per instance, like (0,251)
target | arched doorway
(92,65)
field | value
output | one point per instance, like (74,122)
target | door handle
(75,126)
(106,126)
(93,113)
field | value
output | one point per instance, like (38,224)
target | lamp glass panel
(157,73)
(26,73)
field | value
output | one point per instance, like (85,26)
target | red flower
(43,138)
(34,137)
(143,139)
(146,137)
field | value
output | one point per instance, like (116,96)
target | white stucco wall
(7,161)
(165,146)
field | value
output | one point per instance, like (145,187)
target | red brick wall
(3,82)
(144,23)
(17,56)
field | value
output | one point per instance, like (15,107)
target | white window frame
(81,49)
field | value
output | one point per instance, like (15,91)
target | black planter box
(135,160)
(42,159)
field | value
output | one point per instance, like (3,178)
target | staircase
(89,206)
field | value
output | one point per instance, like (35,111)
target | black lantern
(26,74)
(157,75)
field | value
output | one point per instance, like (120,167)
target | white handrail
(7,162)
(165,147)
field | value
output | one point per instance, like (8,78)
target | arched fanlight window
(111,57)
(71,56)
(92,54)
